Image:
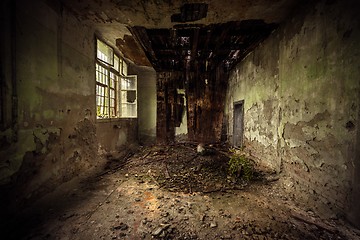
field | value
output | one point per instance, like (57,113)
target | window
(116,93)
(104,52)
(102,92)
(128,96)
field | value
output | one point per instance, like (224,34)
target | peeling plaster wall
(301,90)
(55,135)
(255,81)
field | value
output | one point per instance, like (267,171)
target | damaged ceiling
(174,33)
(199,47)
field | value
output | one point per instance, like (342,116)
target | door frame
(240,142)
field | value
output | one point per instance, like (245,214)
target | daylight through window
(116,93)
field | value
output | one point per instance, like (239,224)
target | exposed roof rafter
(227,43)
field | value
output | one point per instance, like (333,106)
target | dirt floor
(173,192)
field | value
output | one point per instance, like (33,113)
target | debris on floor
(174,192)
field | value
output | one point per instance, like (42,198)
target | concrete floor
(132,200)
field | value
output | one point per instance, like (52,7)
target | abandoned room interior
(161,119)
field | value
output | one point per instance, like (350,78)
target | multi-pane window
(102,92)
(116,94)
(104,52)
(128,96)
(112,89)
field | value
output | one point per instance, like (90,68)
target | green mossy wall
(301,89)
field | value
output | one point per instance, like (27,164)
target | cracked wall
(301,91)
(261,105)
(54,135)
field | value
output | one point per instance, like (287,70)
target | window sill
(105,120)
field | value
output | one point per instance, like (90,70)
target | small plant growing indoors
(240,166)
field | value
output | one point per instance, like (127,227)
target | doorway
(238,130)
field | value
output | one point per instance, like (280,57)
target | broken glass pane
(131,96)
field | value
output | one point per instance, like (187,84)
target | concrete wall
(53,135)
(301,90)
(256,81)
(116,134)
(146,102)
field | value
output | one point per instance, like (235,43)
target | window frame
(108,46)
(121,90)
(117,73)
(105,87)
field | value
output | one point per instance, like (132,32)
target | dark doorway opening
(238,130)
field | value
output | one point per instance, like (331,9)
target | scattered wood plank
(224,189)
(152,161)
(91,213)
(312,221)
(153,178)
(167,173)
(147,154)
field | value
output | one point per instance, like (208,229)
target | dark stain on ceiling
(190,12)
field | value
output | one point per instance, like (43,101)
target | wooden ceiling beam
(140,34)
(195,42)
(186,45)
